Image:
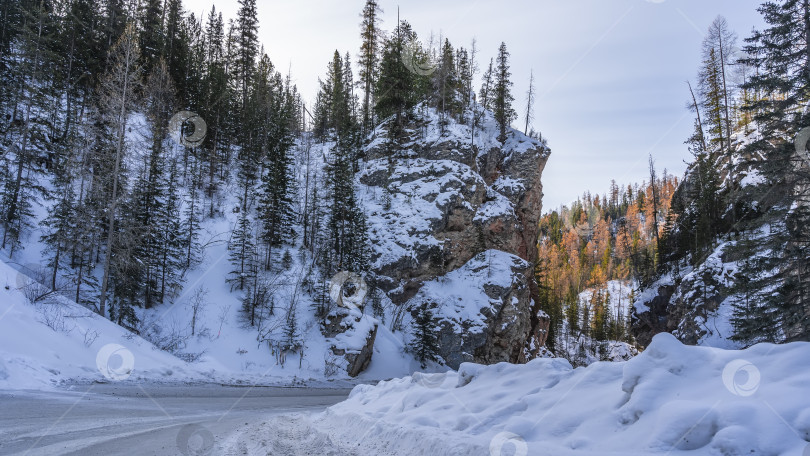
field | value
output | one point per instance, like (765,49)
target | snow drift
(671,399)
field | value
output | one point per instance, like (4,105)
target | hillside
(431,201)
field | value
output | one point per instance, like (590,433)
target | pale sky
(610,74)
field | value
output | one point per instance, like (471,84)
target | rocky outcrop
(686,306)
(435,201)
(351,336)
(481,309)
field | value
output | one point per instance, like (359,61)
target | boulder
(351,335)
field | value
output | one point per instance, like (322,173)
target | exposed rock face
(686,307)
(436,202)
(481,309)
(352,336)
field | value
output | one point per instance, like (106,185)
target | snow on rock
(351,334)
(480,308)
(671,399)
(697,305)
(438,195)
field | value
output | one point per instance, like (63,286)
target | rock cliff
(450,207)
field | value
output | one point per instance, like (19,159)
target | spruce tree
(398,88)
(486,96)
(277,183)
(780,54)
(504,114)
(150,33)
(447,84)
(242,252)
(371,37)
(425,343)
(247,47)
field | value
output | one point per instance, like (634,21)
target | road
(115,419)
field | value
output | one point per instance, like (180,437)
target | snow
(460,293)
(396,232)
(580,348)
(497,206)
(34,355)
(222,350)
(671,399)
(752,178)
(714,276)
(354,338)
(485,138)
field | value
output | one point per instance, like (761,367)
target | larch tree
(530,96)
(118,89)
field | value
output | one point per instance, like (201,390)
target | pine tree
(30,67)
(150,33)
(446,84)
(346,227)
(504,114)
(466,73)
(291,334)
(711,91)
(216,101)
(369,61)
(191,218)
(721,41)
(778,282)
(61,216)
(425,343)
(276,192)
(398,89)
(242,251)
(178,51)
(486,96)
(247,27)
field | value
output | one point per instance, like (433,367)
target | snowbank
(671,399)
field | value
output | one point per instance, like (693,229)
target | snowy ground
(56,341)
(671,399)
(148,420)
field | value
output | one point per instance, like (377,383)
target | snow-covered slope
(581,349)
(55,341)
(58,340)
(671,399)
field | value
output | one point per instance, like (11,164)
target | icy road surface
(115,419)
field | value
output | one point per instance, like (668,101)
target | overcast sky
(610,74)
